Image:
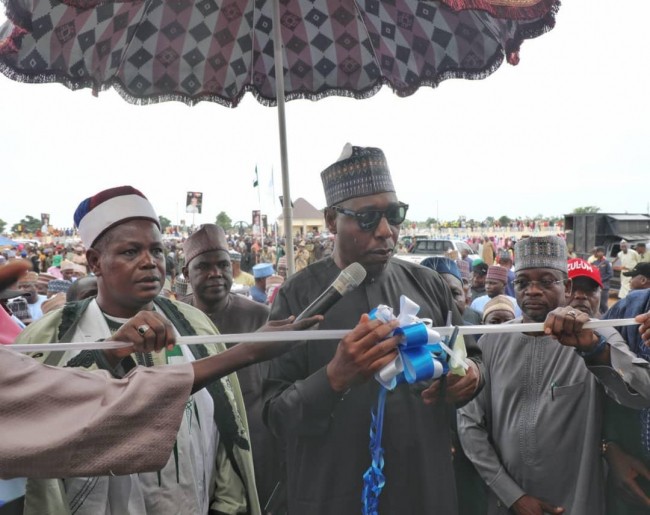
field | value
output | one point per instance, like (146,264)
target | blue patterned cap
(359,171)
(443,265)
(541,252)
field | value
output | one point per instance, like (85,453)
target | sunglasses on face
(368,220)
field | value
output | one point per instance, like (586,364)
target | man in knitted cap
(319,398)
(211,468)
(495,284)
(209,271)
(498,310)
(239,276)
(534,431)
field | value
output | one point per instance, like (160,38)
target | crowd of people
(554,419)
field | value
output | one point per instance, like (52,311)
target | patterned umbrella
(217,50)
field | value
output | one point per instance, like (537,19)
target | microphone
(348,280)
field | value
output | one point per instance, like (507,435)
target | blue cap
(262,270)
(442,265)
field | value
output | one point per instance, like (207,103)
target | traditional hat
(44,278)
(463,268)
(67,265)
(234,255)
(498,303)
(497,273)
(580,268)
(442,265)
(29,277)
(208,238)
(109,208)
(639,269)
(54,302)
(358,172)
(262,270)
(541,252)
(58,285)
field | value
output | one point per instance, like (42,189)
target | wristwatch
(598,348)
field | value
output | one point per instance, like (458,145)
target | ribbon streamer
(311,335)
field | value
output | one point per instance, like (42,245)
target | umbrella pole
(287,210)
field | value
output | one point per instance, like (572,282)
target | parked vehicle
(438,247)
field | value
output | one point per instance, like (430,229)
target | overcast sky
(569,126)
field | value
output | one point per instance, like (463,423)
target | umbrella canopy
(217,50)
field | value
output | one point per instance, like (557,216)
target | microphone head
(351,277)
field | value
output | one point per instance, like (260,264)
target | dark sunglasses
(369,220)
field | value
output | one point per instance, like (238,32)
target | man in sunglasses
(534,431)
(319,399)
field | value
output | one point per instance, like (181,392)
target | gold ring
(142,329)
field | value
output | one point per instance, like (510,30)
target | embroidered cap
(580,268)
(443,265)
(541,252)
(262,270)
(498,303)
(358,172)
(497,273)
(111,207)
(208,238)
(58,285)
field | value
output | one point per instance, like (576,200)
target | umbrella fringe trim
(541,8)
(76,84)
(8,47)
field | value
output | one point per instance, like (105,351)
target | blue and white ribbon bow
(423,355)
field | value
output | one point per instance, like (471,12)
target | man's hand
(147,331)
(361,353)
(644,328)
(625,470)
(565,324)
(288,324)
(457,389)
(529,505)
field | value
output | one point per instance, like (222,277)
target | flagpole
(284,159)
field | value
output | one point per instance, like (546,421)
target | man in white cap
(261,272)
(534,431)
(626,260)
(211,468)
(320,397)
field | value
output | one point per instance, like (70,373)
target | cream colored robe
(187,484)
